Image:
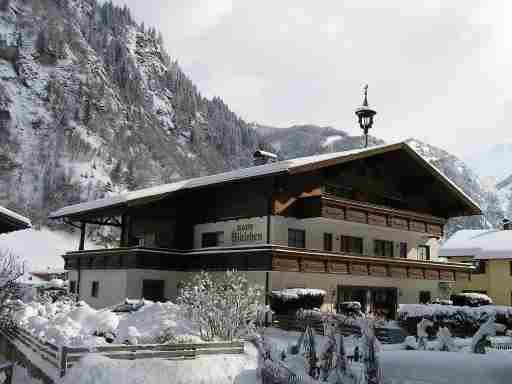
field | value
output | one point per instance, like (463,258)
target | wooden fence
(64,357)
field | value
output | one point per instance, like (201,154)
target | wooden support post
(81,246)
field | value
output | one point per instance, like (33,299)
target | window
(350,244)
(480,267)
(297,238)
(423,252)
(327,241)
(424,297)
(403,250)
(212,239)
(153,290)
(95,287)
(72,286)
(383,248)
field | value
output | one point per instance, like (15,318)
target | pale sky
(437,70)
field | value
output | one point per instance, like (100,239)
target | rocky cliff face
(309,139)
(90,103)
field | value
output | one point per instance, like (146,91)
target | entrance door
(380,301)
(153,290)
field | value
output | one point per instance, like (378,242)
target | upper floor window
(423,252)
(383,248)
(480,267)
(297,238)
(350,244)
(327,241)
(403,250)
(212,239)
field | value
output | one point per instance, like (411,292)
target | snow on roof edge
(242,174)
(15,216)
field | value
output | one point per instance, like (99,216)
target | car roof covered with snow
(479,244)
(12,221)
(292,166)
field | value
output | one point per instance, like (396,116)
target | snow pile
(218,369)
(153,321)
(74,325)
(296,293)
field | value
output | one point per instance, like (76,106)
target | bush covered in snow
(221,307)
(470,299)
(461,321)
(291,300)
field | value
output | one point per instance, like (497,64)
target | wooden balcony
(333,207)
(265,258)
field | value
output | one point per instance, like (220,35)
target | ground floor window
(380,301)
(95,288)
(480,267)
(297,238)
(153,290)
(424,297)
(72,286)
(350,244)
(403,250)
(383,248)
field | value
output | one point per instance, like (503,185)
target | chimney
(264,157)
(507,225)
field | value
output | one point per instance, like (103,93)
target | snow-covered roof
(479,243)
(291,166)
(18,219)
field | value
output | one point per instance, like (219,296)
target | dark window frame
(328,242)
(72,286)
(351,244)
(95,289)
(425,297)
(212,239)
(403,250)
(383,248)
(156,283)
(296,238)
(481,267)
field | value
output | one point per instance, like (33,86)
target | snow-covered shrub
(371,347)
(351,309)
(221,307)
(445,340)
(462,321)
(481,338)
(410,343)
(291,300)
(470,299)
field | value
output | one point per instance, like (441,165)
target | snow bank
(446,367)
(295,293)
(154,320)
(66,324)
(218,369)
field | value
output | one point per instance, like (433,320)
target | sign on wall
(243,233)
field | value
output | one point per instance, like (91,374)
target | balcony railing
(265,258)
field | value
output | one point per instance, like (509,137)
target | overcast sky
(439,71)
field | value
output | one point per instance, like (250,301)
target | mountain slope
(90,103)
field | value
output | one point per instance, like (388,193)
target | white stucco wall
(112,286)
(315,229)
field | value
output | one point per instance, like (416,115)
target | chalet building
(490,251)
(11,221)
(363,225)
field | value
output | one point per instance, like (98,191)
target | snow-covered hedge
(291,300)
(462,321)
(470,299)
(65,323)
